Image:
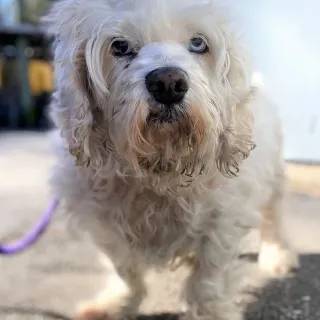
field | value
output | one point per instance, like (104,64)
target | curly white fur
(149,192)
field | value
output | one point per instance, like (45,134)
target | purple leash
(33,235)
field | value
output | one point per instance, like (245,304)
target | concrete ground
(49,279)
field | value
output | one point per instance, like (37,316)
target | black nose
(167,85)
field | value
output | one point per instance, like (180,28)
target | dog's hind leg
(276,257)
(121,296)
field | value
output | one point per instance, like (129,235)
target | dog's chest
(152,223)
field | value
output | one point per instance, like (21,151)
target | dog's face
(160,84)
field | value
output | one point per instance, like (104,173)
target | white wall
(284,36)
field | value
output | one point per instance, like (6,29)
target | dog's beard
(168,141)
(161,114)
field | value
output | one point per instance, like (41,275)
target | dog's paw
(276,260)
(109,302)
(99,309)
(91,311)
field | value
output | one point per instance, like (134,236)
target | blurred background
(48,280)
(26,71)
(285,41)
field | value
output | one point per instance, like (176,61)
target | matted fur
(148,192)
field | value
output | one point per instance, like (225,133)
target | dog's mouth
(162,114)
(165,116)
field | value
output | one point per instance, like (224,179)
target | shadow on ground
(32,313)
(293,298)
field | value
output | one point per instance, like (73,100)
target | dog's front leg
(121,296)
(210,291)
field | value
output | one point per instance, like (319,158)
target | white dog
(158,119)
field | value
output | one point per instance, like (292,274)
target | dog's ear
(79,76)
(235,141)
(81,115)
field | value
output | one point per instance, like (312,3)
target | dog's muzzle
(168,86)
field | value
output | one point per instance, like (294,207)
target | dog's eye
(198,44)
(121,47)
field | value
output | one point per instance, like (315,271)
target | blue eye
(198,44)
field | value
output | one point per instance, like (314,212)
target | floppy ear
(235,141)
(81,116)
(80,84)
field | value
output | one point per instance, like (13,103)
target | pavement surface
(48,280)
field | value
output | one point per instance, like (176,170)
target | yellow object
(40,77)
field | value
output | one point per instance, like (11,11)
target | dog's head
(161,85)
